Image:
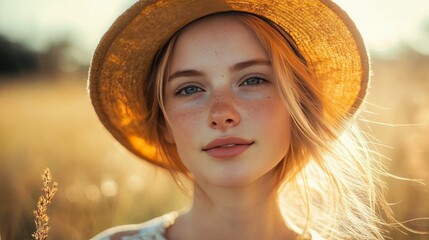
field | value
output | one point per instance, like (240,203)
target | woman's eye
(187,90)
(253,81)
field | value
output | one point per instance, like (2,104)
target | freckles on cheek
(262,109)
(185,123)
(270,116)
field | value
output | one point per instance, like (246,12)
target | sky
(384,24)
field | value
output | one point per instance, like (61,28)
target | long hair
(329,181)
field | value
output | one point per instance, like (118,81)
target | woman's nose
(223,113)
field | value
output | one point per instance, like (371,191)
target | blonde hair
(330,180)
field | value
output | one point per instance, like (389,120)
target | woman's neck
(249,212)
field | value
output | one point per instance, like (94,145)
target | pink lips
(227,147)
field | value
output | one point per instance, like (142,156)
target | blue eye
(187,90)
(252,81)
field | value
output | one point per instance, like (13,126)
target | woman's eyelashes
(188,89)
(193,88)
(253,81)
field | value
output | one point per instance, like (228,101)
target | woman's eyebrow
(235,68)
(242,65)
(185,73)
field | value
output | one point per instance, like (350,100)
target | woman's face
(225,114)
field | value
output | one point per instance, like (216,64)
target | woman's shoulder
(153,229)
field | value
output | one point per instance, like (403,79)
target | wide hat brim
(323,32)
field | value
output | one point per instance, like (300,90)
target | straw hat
(325,35)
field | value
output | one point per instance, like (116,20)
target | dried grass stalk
(41,216)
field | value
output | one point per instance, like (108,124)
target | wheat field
(47,121)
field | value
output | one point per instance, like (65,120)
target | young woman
(254,102)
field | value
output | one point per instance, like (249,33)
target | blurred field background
(46,120)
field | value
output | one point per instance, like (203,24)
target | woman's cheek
(185,122)
(262,109)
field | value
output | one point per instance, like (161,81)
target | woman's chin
(236,180)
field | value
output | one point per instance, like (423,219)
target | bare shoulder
(152,229)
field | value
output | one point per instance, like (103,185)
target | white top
(154,230)
(151,230)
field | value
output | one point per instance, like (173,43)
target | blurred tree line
(17,59)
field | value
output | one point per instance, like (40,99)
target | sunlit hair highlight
(329,182)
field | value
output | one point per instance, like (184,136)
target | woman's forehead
(221,36)
(214,26)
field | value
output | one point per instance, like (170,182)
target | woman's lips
(227,147)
